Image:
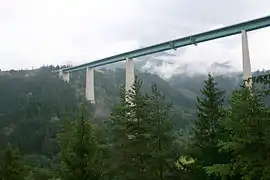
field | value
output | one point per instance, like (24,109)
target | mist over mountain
(168,64)
(35,103)
(180,88)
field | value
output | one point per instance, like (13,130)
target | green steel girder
(189,40)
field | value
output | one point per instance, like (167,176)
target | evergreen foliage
(208,125)
(119,139)
(208,128)
(145,137)
(162,137)
(11,167)
(138,132)
(142,135)
(248,141)
(79,151)
(130,134)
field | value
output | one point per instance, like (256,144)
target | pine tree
(120,162)
(12,167)
(142,138)
(131,135)
(208,125)
(162,137)
(79,152)
(139,131)
(248,141)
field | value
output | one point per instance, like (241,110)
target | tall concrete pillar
(89,85)
(64,76)
(130,75)
(246,59)
(60,74)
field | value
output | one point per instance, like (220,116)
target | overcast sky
(41,32)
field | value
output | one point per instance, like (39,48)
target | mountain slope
(108,81)
(33,104)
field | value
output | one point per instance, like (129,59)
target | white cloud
(200,58)
(37,32)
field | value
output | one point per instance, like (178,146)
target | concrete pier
(89,85)
(130,74)
(64,76)
(246,59)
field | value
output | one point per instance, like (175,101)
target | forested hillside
(199,130)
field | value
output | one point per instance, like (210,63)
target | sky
(44,32)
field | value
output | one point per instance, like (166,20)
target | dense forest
(182,128)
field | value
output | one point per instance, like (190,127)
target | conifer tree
(139,131)
(120,161)
(79,152)
(248,141)
(142,135)
(162,137)
(12,167)
(130,132)
(208,125)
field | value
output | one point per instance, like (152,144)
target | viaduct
(129,57)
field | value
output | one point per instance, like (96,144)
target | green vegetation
(11,167)
(155,131)
(79,151)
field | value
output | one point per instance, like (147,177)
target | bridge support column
(246,59)
(89,85)
(130,76)
(64,76)
(60,74)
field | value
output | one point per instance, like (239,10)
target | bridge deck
(177,43)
